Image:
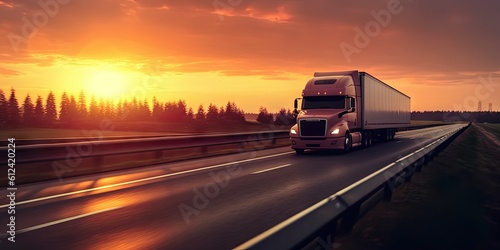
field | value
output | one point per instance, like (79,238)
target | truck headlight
(335,131)
(293,132)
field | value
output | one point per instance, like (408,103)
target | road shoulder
(452,204)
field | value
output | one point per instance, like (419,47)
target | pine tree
(102,108)
(73,113)
(145,113)
(119,110)
(110,110)
(233,113)
(157,110)
(169,112)
(93,109)
(64,112)
(221,113)
(181,110)
(190,114)
(39,111)
(264,116)
(50,108)
(28,112)
(212,113)
(14,112)
(4,109)
(200,115)
(124,113)
(290,117)
(230,111)
(82,105)
(281,118)
(134,110)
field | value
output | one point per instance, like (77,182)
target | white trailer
(382,106)
(344,109)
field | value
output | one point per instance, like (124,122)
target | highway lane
(245,198)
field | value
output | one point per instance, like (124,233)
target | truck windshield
(323,102)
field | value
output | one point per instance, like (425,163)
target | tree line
(72,110)
(284,117)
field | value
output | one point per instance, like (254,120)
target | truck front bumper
(328,143)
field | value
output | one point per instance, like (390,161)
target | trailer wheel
(364,139)
(369,138)
(299,151)
(347,142)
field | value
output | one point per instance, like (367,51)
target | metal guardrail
(78,139)
(336,215)
(57,149)
(55,161)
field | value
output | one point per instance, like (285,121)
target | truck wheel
(347,143)
(299,151)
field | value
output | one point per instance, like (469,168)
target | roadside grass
(452,204)
(492,128)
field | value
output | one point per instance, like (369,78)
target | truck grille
(313,127)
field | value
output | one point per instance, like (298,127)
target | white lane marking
(269,169)
(48,224)
(145,179)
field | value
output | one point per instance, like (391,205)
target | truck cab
(328,113)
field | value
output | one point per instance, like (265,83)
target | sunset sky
(255,53)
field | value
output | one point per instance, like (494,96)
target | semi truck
(346,109)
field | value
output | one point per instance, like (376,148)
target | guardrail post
(431,155)
(349,219)
(388,188)
(419,165)
(426,160)
(410,170)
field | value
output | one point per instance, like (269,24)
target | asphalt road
(211,203)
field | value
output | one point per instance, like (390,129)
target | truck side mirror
(296,105)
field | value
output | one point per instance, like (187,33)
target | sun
(107,84)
